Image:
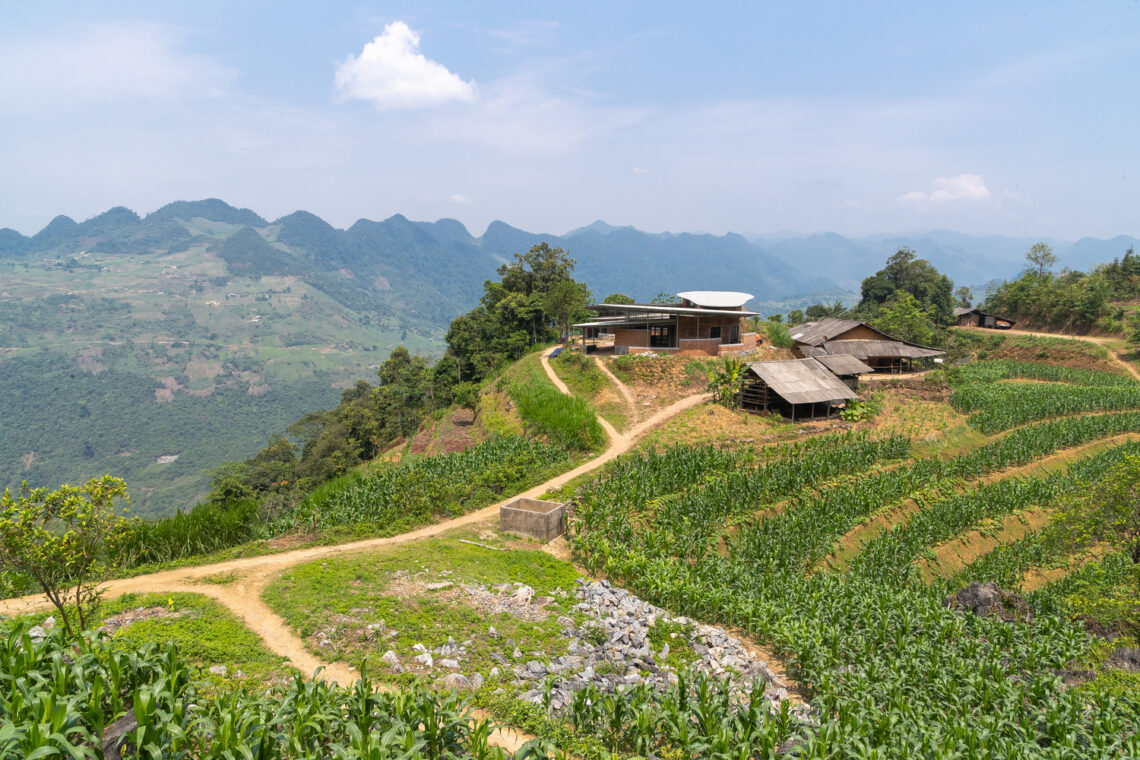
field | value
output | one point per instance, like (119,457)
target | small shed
(847,368)
(801,389)
(978,318)
(870,345)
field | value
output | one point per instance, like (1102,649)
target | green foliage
(206,528)
(856,411)
(66,540)
(887,666)
(1075,301)
(779,336)
(1117,499)
(534,293)
(725,378)
(618,298)
(63,695)
(567,421)
(994,406)
(915,276)
(699,716)
(834,310)
(1041,256)
(965,297)
(110,422)
(420,491)
(904,318)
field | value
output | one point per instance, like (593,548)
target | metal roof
(802,381)
(641,319)
(716,299)
(817,333)
(656,308)
(865,349)
(960,311)
(844,364)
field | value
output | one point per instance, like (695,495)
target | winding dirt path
(626,393)
(243,596)
(1097,339)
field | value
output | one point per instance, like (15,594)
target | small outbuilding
(801,389)
(977,318)
(870,345)
(847,368)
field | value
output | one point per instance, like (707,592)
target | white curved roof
(716,299)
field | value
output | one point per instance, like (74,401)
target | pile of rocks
(987,600)
(612,650)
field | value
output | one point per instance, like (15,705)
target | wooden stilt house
(801,389)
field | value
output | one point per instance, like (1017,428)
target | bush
(567,421)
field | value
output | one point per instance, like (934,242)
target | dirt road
(1099,340)
(243,596)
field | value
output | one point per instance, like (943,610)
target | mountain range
(157,347)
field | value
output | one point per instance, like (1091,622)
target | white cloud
(963,187)
(459,198)
(108,62)
(640,170)
(391,73)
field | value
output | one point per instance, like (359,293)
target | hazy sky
(1007,118)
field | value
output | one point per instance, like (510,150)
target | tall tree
(965,297)
(1041,256)
(918,277)
(564,301)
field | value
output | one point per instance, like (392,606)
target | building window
(714,332)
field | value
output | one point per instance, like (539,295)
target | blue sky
(986,118)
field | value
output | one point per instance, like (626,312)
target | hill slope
(156,347)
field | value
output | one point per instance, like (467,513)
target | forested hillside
(157,347)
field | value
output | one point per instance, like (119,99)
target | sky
(1014,118)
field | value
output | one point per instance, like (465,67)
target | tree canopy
(918,277)
(1072,301)
(535,295)
(65,540)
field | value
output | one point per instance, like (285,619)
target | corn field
(59,698)
(890,671)
(423,490)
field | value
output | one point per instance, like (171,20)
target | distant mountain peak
(213,209)
(599,227)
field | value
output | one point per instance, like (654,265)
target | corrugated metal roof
(865,349)
(817,333)
(802,381)
(844,364)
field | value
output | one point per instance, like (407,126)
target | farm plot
(890,670)
(1057,391)
(61,697)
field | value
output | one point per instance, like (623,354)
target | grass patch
(587,382)
(566,421)
(205,632)
(676,635)
(331,604)
(219,579)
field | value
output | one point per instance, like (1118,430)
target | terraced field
(840,557)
